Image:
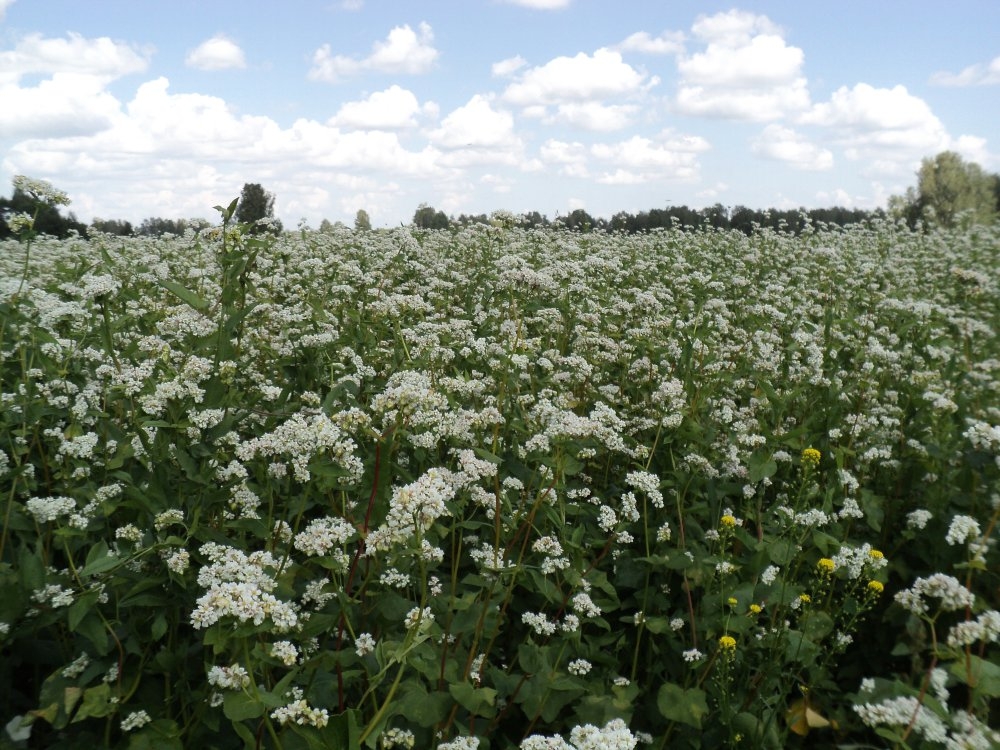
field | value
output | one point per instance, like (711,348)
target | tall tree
(949,186)
(362,222)
(255,204)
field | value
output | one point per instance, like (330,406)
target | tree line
(949,191)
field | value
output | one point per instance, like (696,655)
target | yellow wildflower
(755,609)
(875,554)
(731,601)
(805,598)
(728,522)
(811,457)
(727,643)
(875,587)
(826,565)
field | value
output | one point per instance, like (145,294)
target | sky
(140,108)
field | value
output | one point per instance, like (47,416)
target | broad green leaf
(687,706)
(238,706)
(185,294)
(96,703)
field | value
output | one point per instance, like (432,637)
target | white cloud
(507,67)
(217,53)
(4,4)
(594,116)
(745,72)
(576,79)
(667,43)
(785,145)
(66,104)
(73,54)
(980,74)
(540,4)
(187,152)
(890,128)
(391,109)
(638,159)
(476,125)
(571,158)
(403,51)
(72,99)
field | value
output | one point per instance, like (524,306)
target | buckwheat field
(500,488)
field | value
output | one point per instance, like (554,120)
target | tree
(425,217)
(361,221)
(256,204)
(948,186)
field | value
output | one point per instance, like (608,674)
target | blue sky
(142,109)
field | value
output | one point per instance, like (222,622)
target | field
(500,488)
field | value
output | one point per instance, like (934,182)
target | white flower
(364,644)
(918,519)
(135,720)
(963,529)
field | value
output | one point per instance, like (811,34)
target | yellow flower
(875,554)
(755,609)
(826,565)
(728,522)
(805,598)
(731,601)
(727,643)
(811,457)
(875,587)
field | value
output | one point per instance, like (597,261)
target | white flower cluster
(233,677)
(614,735)
(460,743)
(239,586)
(322,535)
(135,720)
(953,595)
(298,711)
(985,628)
(963,529)
(648,483)
(49,509)
(858,560)
(413,507)
(901,712)
(301,438)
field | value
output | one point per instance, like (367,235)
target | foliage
(256,208)
(362,222)
(425,217)
(500,488)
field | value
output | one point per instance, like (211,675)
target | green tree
(362,222)
(948,186)
(425,217)
(256,204)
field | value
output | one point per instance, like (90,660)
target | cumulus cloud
(593,115)
(888,127)
(574,79)
(476,125)
(507,67)
(66,104)
(391,109)
(980,74)
(191,151)
(632,161)
(4,4)
(71,99)
(102,57)
(217,53)
(667,43)
(785,145)
(402,51)
(746,70)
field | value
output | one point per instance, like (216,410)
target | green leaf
(99,561)
(96,703)
(238,706)
(688,706)
(185,294)
(477,701)
(980,675)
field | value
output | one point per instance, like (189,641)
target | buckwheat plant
(499,488)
